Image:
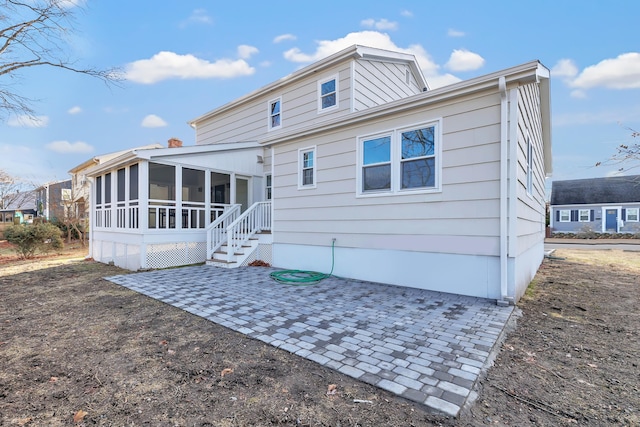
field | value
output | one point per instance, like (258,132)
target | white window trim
(637,211)
(396,147)
(568,212)
(301,153)
(269,126)
(268,189)
(320,83)
(581,211)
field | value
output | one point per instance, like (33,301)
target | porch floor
(428,347)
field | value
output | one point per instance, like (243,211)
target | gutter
(504,170)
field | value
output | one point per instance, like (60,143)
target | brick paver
(428,347)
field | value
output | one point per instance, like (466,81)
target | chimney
(174,143)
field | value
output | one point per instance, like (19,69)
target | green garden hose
(303,277)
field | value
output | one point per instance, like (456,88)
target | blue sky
(184,58)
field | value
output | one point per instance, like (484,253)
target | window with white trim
(565,215)
(267,179)
(328,94)
(275,113)
(632,214)
(307,167)
(584,215)
(401,160)
(529,166)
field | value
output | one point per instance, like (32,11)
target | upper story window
(307,167)
(275,113)
(400,160)
(328,94)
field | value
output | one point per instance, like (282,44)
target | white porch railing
(255,219)
(235,230)
(217,230)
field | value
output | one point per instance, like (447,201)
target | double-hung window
(275,114)
(307,167)
(584,215)
(328,94)
(565,215)
(632,214)
(400,160)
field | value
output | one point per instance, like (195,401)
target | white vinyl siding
(377,83)
(462,218)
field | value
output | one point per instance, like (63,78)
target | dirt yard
(78,350)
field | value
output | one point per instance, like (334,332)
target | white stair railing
(217,230)
(255,219)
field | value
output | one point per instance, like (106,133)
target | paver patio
(428,347)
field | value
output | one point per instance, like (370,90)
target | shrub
(586,232)
(31,238)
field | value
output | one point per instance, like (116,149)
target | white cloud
(68,4)
(74,110)
(169,65)
(69,147)
(464,60)
(608,116)
(26,121)
(382,24)
(246,51)
(578,94)
(284,37)
(198,16)
(455,33)
(406,13)
(377,40)
(564,68)
(622,72)
(153,121)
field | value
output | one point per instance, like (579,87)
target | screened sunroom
(153,208)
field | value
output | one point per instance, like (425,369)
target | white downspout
(504,150)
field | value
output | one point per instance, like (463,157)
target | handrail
(217,230)
(256,218)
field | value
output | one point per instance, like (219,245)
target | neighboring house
(603,205)
(53,200)
(20,208)
(438,189)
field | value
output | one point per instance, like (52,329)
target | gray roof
(615,189)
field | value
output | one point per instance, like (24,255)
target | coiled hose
(303,277)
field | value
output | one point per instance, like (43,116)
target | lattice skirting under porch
(174,254)
(262,252)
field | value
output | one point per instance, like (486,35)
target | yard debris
(362,401)
(331,389)
(163,342)
(53,379)
(226,371)
(259,263)
(79,416)
(24,421)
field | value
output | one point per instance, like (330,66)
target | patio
(425,346)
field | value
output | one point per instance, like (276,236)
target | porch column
(232,189)
(143,194)
(178,197)
(207,197)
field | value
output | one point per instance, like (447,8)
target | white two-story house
(352,162)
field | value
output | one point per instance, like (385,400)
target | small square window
(328,94)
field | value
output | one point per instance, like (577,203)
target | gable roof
(352,52)
(615,189)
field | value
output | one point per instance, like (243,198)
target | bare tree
(626,154)
(74,217)
(13,192)
(34,33)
